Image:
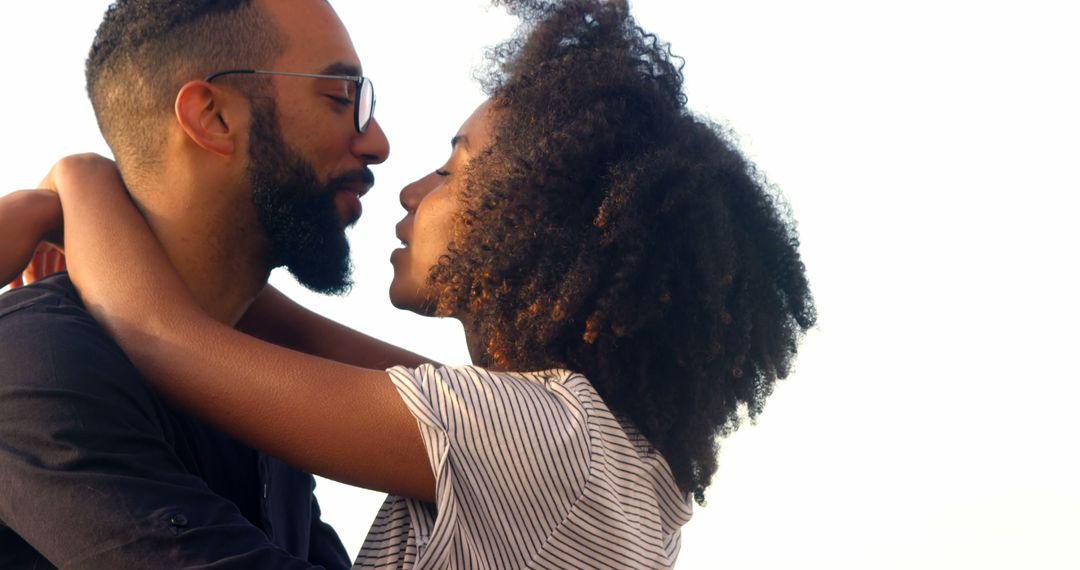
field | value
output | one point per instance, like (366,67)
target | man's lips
(357,182)
(348,204)
(359,190)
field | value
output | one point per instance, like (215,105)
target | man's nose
(372,147)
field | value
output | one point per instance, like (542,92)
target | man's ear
(209,116)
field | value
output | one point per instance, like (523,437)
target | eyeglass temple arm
(215,75)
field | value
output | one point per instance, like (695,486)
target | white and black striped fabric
(532,470)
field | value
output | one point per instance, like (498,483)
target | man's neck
(212,245)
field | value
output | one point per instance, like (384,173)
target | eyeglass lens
(365,105)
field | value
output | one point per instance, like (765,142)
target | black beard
(296,211)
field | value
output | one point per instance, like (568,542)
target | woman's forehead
(475,132)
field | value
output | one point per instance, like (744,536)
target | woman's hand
(29,221)
(102,226)
(32,223)
(46,260)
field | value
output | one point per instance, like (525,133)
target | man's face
(298,212)
(307,164)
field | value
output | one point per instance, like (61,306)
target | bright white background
(929,150)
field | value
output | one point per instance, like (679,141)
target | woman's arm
(27,217)
(275,318)
(342,422)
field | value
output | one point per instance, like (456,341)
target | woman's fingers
(47,259)
(55,261)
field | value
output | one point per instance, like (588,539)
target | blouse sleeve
(510,452)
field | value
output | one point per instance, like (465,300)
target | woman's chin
(407,297)
(397,299)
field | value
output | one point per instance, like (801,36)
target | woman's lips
(397,253)
(402,231)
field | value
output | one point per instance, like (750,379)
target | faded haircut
(146,50)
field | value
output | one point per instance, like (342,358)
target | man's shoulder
(43,300)
(46,335)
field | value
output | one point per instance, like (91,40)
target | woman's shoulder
(556,396)
(552,375)
(539,379)
(543,446)
(514,392)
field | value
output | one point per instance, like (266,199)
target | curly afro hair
(610,231)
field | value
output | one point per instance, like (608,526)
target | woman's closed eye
(442,172)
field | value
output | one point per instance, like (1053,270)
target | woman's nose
(414,193)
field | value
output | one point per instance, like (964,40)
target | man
(236,172)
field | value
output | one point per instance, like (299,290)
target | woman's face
(431,204)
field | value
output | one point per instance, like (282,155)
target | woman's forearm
(117,264)
(275,318)
(27,217)
(328,418)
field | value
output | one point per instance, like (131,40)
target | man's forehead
(317,41)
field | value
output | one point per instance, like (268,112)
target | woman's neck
(488,352)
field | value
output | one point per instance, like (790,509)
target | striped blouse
(532,470)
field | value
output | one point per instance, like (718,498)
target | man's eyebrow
(464,140)
(340,68)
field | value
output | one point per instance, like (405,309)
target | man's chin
(335,287)
(327,277)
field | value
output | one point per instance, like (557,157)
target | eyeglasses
(363,94)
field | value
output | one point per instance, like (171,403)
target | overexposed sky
(929,151)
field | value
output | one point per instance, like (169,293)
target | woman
(626,282)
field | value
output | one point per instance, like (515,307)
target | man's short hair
(145,50)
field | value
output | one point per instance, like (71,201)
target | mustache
(363,176)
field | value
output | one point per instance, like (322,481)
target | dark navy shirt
(97,471)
